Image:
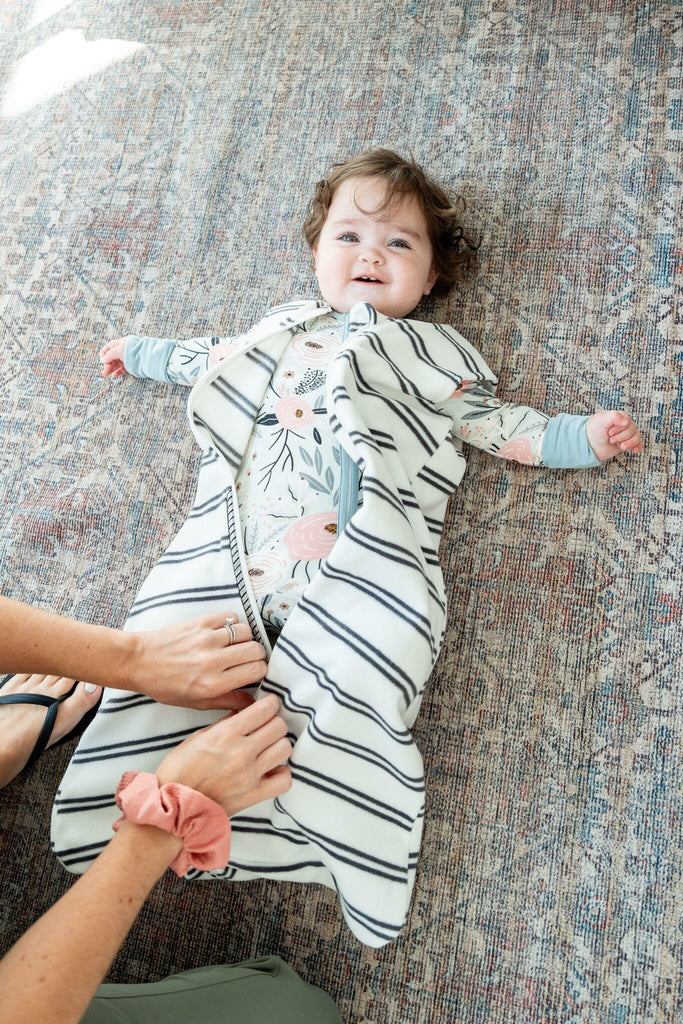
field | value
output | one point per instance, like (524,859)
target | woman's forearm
(33,640)
(54,969)
(188,663)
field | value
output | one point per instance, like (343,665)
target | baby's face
(385,260)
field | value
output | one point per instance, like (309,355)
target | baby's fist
(111,357)
(610,433)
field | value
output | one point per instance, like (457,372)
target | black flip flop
(52,705)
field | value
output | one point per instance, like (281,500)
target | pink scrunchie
(199,821)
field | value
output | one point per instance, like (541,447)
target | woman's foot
(20,724)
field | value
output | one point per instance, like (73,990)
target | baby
(332,434)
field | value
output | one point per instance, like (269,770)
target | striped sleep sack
(351,662)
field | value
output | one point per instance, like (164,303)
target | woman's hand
(237,761)
(192,664)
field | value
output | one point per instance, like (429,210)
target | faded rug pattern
(155,164)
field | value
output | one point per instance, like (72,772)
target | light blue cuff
(349,480)
(565,445)
(349,474)
(147,357)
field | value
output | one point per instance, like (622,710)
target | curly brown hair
(453,250)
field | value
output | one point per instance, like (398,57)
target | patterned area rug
(155,164)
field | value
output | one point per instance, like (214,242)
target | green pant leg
(252,992)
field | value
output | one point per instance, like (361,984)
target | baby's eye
(348,236)
(399,243)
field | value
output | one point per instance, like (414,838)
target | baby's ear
(431,280)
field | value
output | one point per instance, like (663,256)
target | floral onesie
(288,484)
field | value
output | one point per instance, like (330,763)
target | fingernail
(90,687)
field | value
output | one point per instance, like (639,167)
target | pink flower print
(266,570)
(220,351)
(293,412)
(464,385)
(313,536)
(519,450)
(315,349)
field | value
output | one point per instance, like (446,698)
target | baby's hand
(111,356)
(610,433)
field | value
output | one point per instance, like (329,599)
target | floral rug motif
(156,161)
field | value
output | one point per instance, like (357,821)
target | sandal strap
(30,698)
(44,734)
(52,705)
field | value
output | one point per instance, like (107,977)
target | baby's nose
(371,255)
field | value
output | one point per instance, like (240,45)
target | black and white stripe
(353,658)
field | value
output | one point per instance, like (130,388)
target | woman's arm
(52,972)
(188,664)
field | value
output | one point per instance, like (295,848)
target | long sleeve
(175,362)
(183,362)
(518,432)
